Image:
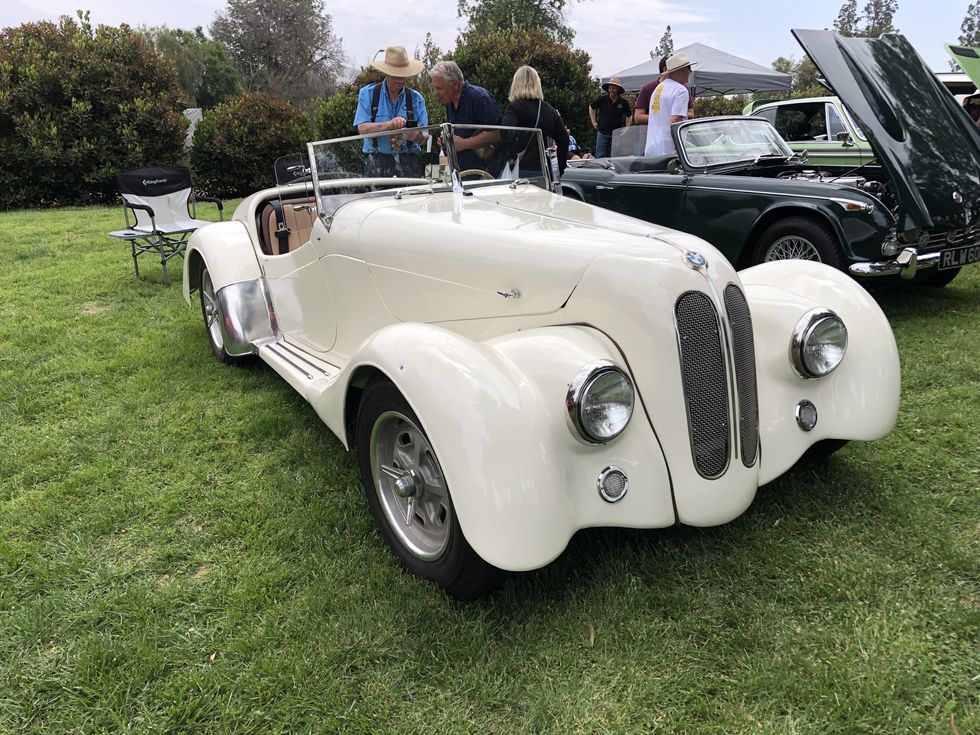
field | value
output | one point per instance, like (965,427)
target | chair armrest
(213,200)
(146,208)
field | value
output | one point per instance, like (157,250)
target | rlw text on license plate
(955,257)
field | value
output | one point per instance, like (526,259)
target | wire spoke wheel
(799,238)
(793,247)
(410,485)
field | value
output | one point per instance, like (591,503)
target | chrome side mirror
(845,139)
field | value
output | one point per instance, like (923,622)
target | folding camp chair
(163,204)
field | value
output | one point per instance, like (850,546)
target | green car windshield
(724,141)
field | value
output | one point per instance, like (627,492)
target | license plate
(955,257)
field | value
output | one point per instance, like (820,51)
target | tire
(409,498)
(213,315)
(798,238)
(936,279)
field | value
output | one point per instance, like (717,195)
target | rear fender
(858,401)
(494,411)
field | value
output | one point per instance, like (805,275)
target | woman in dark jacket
(526,108)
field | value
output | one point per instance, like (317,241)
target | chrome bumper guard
(906,264)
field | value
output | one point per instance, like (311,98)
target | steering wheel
(477,172)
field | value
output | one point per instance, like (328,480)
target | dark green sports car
(735,183)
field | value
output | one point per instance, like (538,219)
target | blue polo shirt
(476,107)
(388,111)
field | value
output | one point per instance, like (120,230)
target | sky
(610,33)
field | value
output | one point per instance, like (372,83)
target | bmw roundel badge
(695,259)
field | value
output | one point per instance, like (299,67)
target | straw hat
(678,61)
(397,63)
(613,82)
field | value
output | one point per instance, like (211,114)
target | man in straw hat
(668,104)
(614,112)
(390,105)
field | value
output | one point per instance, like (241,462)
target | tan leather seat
(298,216)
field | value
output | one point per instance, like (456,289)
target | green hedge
(76,106)
(237,143)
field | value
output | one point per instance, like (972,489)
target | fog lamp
(612,483)
(806,415)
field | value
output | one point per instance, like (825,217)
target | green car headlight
(819,343)
(600,402)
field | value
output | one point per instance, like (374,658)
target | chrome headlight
(819,343)
(600,402)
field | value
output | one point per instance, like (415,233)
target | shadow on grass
(673,561)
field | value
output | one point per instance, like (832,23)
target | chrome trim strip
(284,358)
(827,198)
(299,356)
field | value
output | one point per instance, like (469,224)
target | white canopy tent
(716,73)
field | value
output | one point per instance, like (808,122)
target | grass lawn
(184,547)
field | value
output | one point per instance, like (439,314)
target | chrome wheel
(410,485)
(792,247)
(212,312)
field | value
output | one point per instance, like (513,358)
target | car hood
(498,252)
(929,147)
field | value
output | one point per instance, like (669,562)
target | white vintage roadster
(511,365)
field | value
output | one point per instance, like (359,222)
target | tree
(204,67)
(878,16)
(875,18)
(284,47)
(429,54)
(970,29)
(78,104)
(237,142)
(847,19)
(805,78)
(665,47)
(492,58)
(541,16)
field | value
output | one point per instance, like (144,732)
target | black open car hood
(928,144)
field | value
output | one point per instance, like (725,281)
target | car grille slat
(743,349)
(705,382)
(965,236)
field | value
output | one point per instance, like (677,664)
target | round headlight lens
(819,344)
(600,403)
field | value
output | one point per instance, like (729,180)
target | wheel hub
(404,482)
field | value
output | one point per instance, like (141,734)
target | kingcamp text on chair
(162,202)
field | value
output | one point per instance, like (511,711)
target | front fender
(859,400)
(227,250)
(494,411)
